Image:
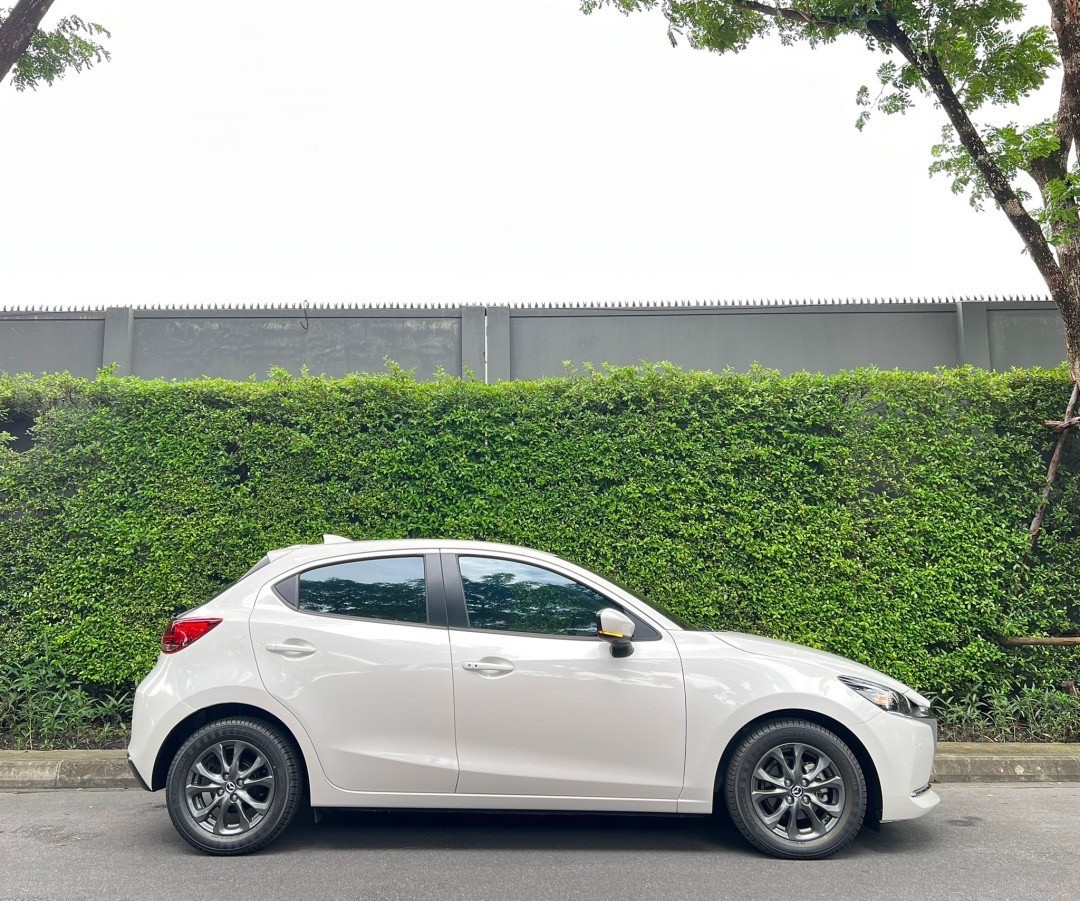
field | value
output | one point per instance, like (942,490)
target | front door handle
(293,647)
(488,666)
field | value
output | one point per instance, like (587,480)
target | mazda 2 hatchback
(467,675)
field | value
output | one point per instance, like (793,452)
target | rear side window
(388,588)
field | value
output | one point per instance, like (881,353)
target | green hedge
(880,515)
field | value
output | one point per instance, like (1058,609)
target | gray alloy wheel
(794,789)
(233,786)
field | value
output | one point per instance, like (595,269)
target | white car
(468,675)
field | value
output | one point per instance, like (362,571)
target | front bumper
(902,748)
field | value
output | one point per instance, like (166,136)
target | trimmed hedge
(879,515)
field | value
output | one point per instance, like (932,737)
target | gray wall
(504,342)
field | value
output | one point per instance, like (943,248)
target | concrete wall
(503,342)
(236,344)
(794,338)
(51,342)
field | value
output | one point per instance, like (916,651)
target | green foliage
(72,44)
(879,515)
(1058,214)
(1032,714)
(980,46)
(44,706)
(1015,150)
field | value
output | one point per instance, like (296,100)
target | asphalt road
(985,841)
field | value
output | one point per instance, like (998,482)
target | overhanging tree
(39,55)
(967,55)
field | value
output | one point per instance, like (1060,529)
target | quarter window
(390,588)
(519,597)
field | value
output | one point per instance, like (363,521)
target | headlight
(879,695)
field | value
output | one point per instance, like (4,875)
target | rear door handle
(488,666)
(293,647)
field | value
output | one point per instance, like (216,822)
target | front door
(542,706)
(353,651)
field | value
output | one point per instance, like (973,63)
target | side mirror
(617,629)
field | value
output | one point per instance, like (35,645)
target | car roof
(334,544)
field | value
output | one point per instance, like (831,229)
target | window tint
(387,588)
(518,597)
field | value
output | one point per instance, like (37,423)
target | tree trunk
(1061,274)
(1065,21)
(18,29)
(1069,258)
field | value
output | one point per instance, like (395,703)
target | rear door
(358,650)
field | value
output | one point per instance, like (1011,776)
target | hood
(771,647)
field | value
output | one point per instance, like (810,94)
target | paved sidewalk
(956,762)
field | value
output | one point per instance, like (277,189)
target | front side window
(519,597)
(390,588)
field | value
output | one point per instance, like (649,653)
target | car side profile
(479,676)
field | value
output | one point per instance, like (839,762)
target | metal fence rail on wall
(497,342)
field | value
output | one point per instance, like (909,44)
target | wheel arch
(873,781)
(194,721)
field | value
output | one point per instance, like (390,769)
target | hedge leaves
(879,515)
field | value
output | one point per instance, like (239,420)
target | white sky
(480,150)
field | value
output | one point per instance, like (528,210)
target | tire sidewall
(739,782)
(282,763)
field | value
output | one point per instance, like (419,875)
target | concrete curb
(1007,762)
(37,770)
(955,762)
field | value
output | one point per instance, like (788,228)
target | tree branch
(790,14)
(888,31)
(1067,641)
(18,29)
(1051,473)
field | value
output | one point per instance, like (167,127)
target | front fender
(726,689)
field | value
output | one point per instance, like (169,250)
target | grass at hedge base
(879,515)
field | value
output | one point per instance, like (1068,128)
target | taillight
(182,632)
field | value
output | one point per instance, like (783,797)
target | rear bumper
(156,711)
(138,776)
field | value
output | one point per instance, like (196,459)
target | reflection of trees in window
(506,601)
(402,601)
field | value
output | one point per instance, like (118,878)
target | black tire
(762,798)
(232,816)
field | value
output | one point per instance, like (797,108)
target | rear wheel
(794,789)
(233,786)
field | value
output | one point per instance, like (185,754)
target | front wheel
(795,790)
(233,786)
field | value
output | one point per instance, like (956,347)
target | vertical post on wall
(116,348)
(498,344)
(973,332)
(472,341)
